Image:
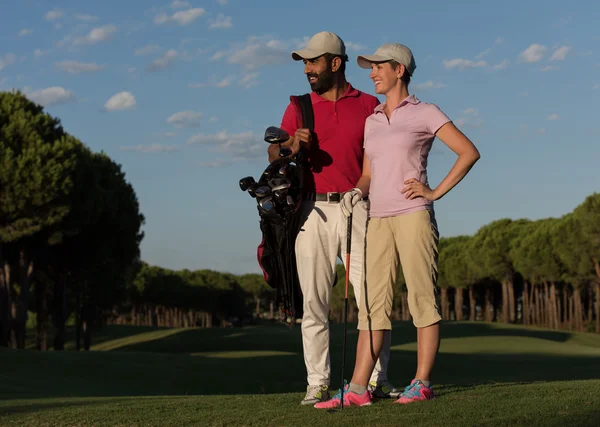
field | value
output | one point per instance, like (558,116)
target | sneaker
(315,394)
(350,399)
(416,391)
(383,390)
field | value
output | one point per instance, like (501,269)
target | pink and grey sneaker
(416,391)
(350,399)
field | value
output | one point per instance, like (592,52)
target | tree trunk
(445,307)
(26,266)
(578,310)
(41,300)
(554,306)
(590,306)
(511,302)
(458,304)
(505,315)
(532,306)
(525,304)
(547,319)
(472,304)
(488,306)
(565,306)
(598,307)
(5,301)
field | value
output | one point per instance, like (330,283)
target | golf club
(246,182)
(285,152)
(275,135)
(348,249)
(262,191)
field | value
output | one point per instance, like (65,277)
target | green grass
(486,374)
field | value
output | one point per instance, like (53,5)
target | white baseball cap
(396,51)
(320,44)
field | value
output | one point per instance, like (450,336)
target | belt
(330,197)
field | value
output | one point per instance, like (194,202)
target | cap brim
(299,55)
(365,61)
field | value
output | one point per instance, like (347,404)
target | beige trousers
(321,240)
(412,240)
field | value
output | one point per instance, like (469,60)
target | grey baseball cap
(396,51)
(320,44)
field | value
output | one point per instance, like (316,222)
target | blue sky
(180,93)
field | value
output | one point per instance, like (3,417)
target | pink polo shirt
(397,150)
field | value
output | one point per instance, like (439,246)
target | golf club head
(280,195)
(262,191)
(246,182)
(283,170)
(266,204)
(251,189)
(275,135)
(285,152)
(278,181)
(290,201)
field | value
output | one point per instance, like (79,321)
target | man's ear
(336,63)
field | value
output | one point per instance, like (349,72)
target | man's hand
(349,200)
(415,188)
(303,138)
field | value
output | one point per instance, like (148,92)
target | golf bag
(276,253)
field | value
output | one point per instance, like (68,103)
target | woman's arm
(468,155)
(365,179)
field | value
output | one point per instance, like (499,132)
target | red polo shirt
(336,156)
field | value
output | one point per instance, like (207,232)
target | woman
(402,226)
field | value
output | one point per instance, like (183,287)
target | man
(335,155)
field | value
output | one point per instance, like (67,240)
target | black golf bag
(281,223)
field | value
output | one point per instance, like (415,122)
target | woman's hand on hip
(415,188)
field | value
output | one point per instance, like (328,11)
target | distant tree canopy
(70,225)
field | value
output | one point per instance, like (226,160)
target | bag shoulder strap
(306,108)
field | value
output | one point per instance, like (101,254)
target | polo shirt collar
(350,92)
(410,99)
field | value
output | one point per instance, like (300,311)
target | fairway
(487,374)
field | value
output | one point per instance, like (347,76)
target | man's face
(319,74)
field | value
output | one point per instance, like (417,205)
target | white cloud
(430,84)
(484,53)
(222,2)
(470,118)
(213,119)
(7,60)
(542,130)
(153,148)
(239,145)
(120,101)
(548,68)
(256,52)
(183,17)
(354,46)
(553,116)
(85,18)
(499,40)
(222,22)
(463,63)
(53,15)
(249,80)
(53,95)
(502,65)
(163,61)
(560,54)
(74,67)
(147,50)
(596,86)
(471,111)
(533,53)
(179,4)
(185,119)
(38,52)
(97,35)
(25,32)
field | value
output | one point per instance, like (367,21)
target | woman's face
(385,77)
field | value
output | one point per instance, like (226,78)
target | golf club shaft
(348,249)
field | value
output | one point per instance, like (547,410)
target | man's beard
(324,81)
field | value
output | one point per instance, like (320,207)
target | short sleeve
(288,122)
(435,119)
